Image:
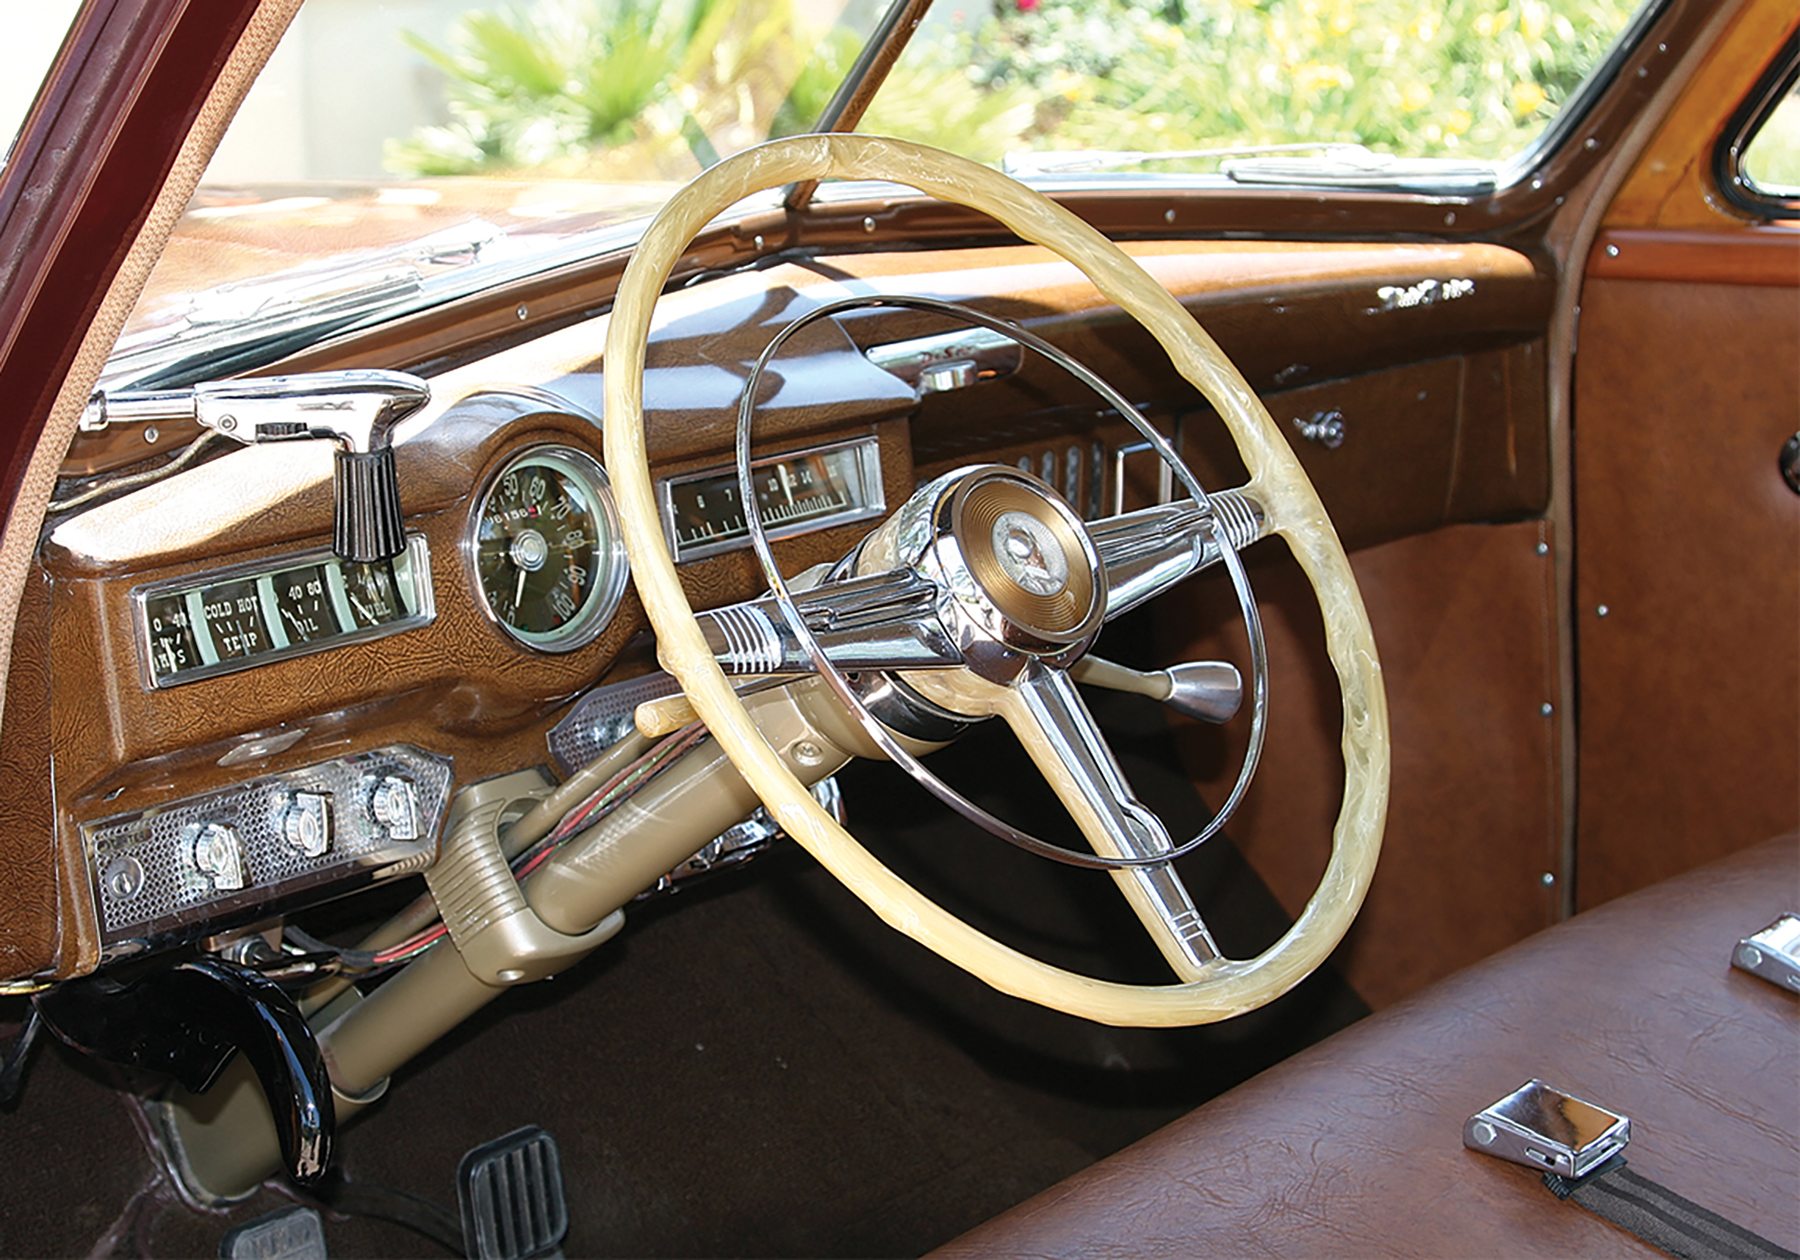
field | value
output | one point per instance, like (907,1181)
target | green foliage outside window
(634,89)
(1469,78)
(1773,159)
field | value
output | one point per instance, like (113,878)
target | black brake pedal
(511,1194)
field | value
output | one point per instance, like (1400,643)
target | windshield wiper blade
(1078,161)
(1353,165)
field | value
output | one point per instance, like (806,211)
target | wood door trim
(1738,255)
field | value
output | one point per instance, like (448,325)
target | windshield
(1469,82)
(397,154)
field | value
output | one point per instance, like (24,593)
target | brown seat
(1355,1146)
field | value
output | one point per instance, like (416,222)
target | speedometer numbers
(703,513)
(549,562)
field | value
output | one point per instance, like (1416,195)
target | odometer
(548,559)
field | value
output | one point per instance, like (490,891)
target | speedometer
(549,562)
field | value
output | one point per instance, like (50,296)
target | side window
(1772,160)
(1758,160)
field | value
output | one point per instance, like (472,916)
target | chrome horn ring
(846,693)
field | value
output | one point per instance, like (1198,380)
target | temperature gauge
(234,618)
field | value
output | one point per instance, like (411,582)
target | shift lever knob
(1211,691)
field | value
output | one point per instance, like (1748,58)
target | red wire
(670,747)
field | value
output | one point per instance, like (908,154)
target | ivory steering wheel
(1220,987)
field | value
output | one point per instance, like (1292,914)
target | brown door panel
(1687,609)
(1465,620)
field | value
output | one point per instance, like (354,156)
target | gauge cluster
(703,512)
(248,615)
(548,558)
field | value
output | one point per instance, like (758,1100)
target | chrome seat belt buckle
(1773,953)
(1541,1127)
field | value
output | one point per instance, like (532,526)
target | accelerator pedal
(289,1233)
(511,1194)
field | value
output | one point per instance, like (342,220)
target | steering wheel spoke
(1051,720)
(1147,551)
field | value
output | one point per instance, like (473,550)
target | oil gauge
(548,558)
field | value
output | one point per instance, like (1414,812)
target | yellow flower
(1342,19)
(1458,121)
(1313,77)
(1531,21)
(1068,85)
(1526,97)
(1424,27)
(1416,97)
(1484,26)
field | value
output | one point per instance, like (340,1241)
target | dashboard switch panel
(250,850)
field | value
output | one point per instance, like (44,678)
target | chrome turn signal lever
(355,410)
(1210,691)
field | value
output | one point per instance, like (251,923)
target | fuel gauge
(371,591)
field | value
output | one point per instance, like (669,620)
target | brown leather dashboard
(1427,358)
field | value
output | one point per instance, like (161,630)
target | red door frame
(89,162)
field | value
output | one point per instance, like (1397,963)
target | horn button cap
(1019,568)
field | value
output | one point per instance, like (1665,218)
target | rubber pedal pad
(510,1191)
(290,1233)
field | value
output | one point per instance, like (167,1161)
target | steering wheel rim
(1291,507)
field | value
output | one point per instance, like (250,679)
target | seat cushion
(1354,1147)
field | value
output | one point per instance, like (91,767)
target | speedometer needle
(519,593)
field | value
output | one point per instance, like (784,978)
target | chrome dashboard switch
(356,410)
(306,823)
(1773,954)
(214,852)
(395,803)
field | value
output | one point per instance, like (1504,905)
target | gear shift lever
(356,410)
(1208,690)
